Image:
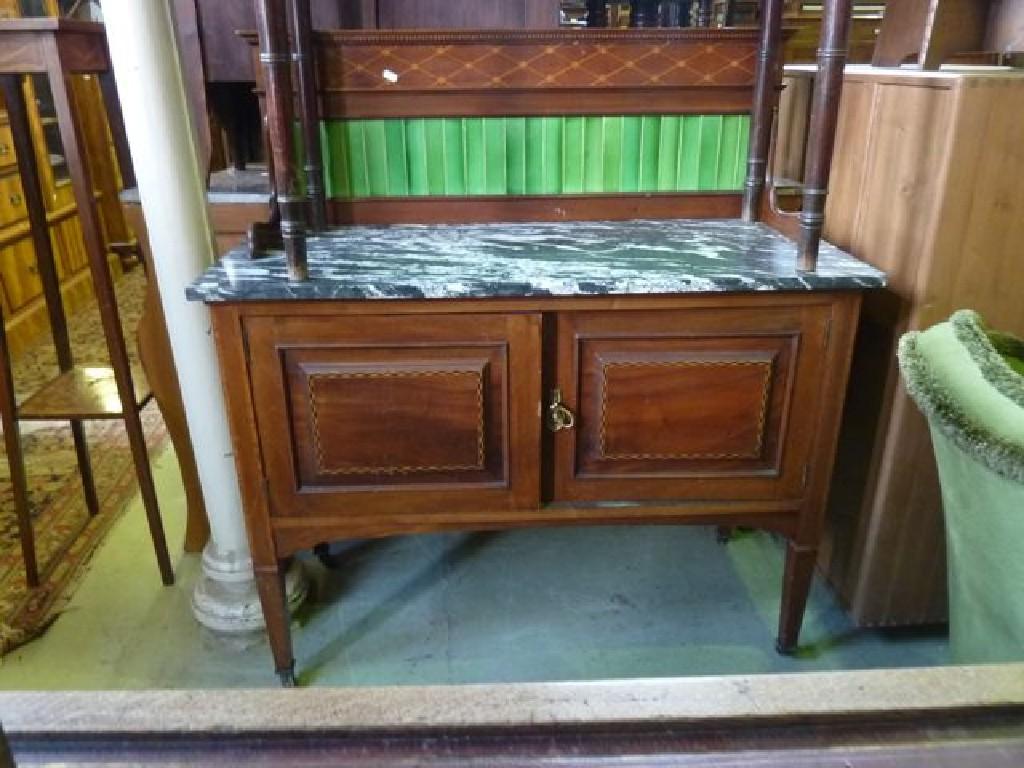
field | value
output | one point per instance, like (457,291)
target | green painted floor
(529,605)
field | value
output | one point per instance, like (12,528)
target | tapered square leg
(16,461)
(81,182)
(270,583)
(796,585)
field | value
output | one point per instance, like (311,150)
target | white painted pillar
(165,154)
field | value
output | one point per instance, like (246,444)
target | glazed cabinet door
(397,415)
(701,404)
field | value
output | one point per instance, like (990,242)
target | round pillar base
(225,599)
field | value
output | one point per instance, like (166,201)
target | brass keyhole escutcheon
(559,417)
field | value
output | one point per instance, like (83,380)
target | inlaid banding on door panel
(649,432)
(688,404)
(374,415)
(391,414)
(397,396)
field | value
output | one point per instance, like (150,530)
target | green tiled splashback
(534,155)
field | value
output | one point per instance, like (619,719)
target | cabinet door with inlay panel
(367,415)
(688,404)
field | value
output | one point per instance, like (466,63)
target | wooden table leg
(16,461)
(796,585)
(81,181)
(271,586)
(158,362)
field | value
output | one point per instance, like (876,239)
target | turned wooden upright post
(302,29)
(821,134)
(762,115)
(275,58)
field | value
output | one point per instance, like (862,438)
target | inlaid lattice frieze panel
(427,73)
(537,59)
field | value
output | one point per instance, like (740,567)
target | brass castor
(287,677)
(785,650)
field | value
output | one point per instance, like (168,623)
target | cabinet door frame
(518,336)
(805,326)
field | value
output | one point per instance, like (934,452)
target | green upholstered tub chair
(969,382)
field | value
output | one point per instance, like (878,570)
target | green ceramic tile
(630,175)
(710,147)
(397,154)
(358,163)
(534,155)
(572,156)
(515,160)
(454,158)
(375,133)
(689,154)
(593,154)
(728,152)
(416,159)
(668,152)
(650,132)
(742,152)
(612,155)
(434,131)
(476,159)
(328,159)
(495,152)
(552,155)
(334,138)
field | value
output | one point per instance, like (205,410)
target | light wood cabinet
(928,185)
(19,275)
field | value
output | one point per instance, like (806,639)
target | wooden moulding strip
(525,102)
(426,210)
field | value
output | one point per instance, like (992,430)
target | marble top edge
(546,259)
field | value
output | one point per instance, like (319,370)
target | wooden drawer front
(439,411)
(19,274)
(688,404)
(8,160)
(12,200)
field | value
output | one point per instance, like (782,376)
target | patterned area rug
(66,536)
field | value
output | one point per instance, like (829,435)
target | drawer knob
(559,417)
(4,149)
(15,199)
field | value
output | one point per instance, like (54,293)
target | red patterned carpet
(65,535)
